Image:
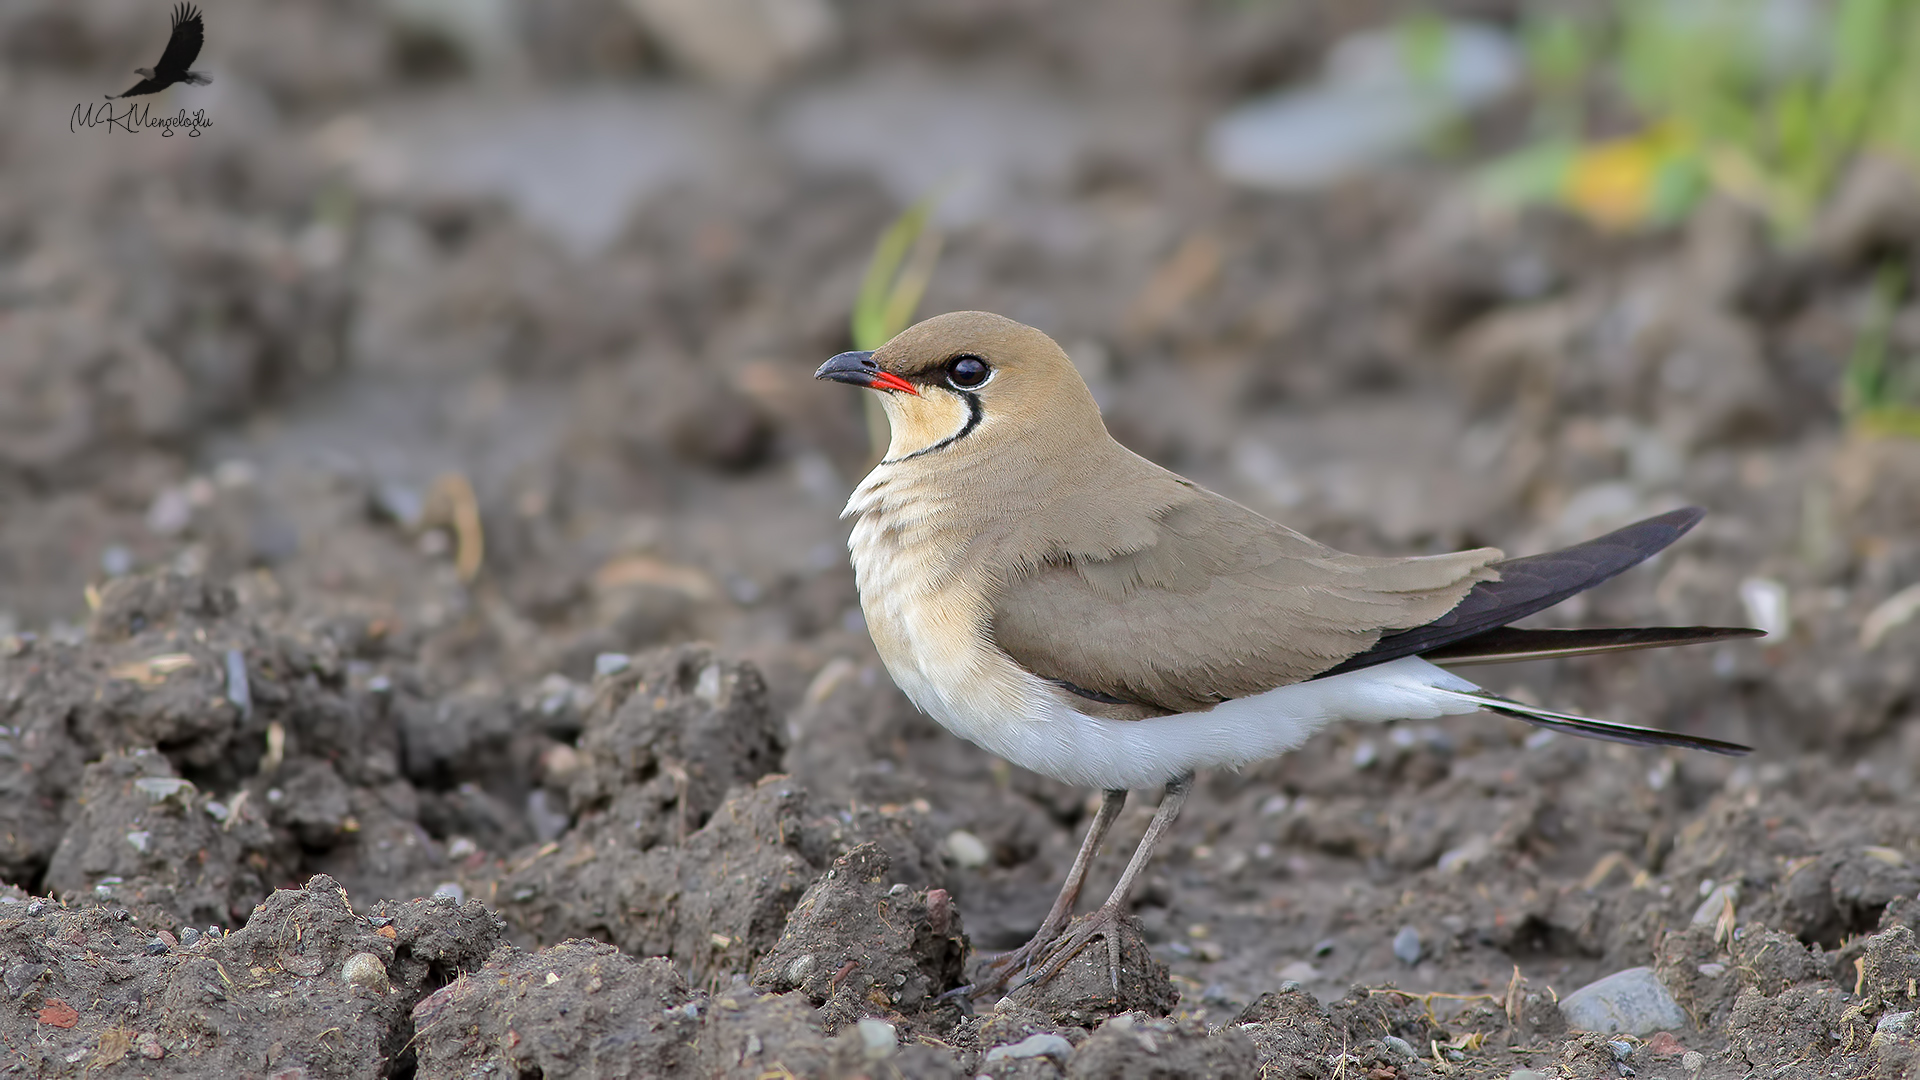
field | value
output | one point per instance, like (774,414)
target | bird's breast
(929,614)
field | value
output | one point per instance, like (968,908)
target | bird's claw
(1000,970)
(1104,922)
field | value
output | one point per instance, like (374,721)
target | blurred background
(1409,276)
(490,323)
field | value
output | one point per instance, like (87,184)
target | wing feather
(1215,602)
(1531,584)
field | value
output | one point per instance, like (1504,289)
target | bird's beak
(860,369)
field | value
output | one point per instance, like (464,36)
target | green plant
(1560,58)
(1771,122)
(1880,389)
(897,275)
(896,278)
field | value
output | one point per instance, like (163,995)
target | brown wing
(1215,602)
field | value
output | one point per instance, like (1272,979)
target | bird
(1077,610)
(189,32)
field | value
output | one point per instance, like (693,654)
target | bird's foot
(997,972)
(1102,922)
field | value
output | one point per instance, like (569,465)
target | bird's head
(145,73)
(968,375)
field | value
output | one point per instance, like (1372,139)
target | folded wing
(1215,602)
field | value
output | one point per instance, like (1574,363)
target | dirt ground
(427,646)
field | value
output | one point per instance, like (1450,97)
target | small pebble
(189,935)
(367,972)
(116,561)
(801,967)
(139,840)
(1407,946)
(170,512)
(708,687)
(547,815)
(967,849)
(148,1044)
(1693,1061)
(159,789)
(1045,1044)
(1398,1045)
(1300,971)
(450,890)
(400,504)
(1663,1044)
(611,663)
(877,1038)
(1621,1050)
(239,691)
(1712,970)
(1528,1074)
(156,947)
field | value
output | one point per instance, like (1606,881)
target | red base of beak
(887,380)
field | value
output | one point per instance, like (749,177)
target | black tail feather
(1589,728)
(1509,644)
(1531,584)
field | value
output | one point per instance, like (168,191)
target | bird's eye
(967,372)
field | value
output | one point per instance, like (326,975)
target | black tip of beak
(857,368)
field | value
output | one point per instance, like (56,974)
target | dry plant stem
(1005,966)
(1105,921)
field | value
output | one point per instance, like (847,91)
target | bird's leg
(1006,965)
(1105,921)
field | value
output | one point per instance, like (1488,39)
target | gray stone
(1407,945)
(1632,1002)
(878,1038)
(1045,1044)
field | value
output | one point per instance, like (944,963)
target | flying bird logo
(182,47)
